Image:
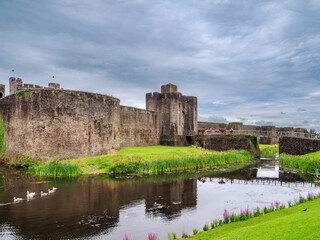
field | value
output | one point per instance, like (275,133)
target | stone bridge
(264,137)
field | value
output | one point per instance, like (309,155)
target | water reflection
(99,207)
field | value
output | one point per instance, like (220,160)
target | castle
(56,123)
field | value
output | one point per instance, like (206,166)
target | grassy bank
(289,223)
(307,163)
(267,150)
(56,168)
(157,159)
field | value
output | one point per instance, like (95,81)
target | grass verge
(307,162)
(288,223)
(56,168)
(267,150)
(157,159)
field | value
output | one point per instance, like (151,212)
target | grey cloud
(245,57)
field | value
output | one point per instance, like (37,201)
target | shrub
(184,235)
(257,212)
(206,227)
(196,231)
(26,162)
(233,218)
(172,236)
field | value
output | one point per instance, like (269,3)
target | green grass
(56,168)
(157,159)
(267,150)
(291,223)
(307,163)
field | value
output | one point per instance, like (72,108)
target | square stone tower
(177,114)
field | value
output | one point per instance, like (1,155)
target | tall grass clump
(308,163)
(268,150)
(121,164)
(55,167)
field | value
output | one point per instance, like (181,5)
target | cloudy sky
(247,60)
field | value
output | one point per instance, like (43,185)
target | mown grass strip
(289,223)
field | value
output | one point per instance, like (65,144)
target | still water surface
(103,208)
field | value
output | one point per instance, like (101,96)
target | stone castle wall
(138,127)
(225,142)
(298,146)
(16,84)
(177,114)
(60,124)
(56,123)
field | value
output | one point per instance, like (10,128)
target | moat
(96,207)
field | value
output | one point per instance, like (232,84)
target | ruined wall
(298,146)
(16,84)
(60,124)
(225,142)
(138,127)
(2,91)
(177,114)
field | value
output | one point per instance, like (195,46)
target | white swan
(30,194)
(44,194)
(17,199)
(50,191)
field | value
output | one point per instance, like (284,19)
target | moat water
(96,207)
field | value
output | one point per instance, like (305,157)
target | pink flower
(226,214)
(151,236)
(126,237)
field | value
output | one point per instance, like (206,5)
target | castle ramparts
(55,123)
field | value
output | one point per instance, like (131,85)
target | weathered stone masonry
(63,124)
(177,114)
(60,124)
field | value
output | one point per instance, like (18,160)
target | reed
(55,167)
(170,162)
(159,159)
(267,150)
(308,163)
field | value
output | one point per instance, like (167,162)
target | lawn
(291,223)
(156,159)
(307,162)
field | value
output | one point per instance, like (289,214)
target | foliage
(172,236)
(292,223)
(252,139)
(267,150)
(159,159)
(308,163)
(195,231)
(27,91)
(55,167)
(25,162)
(206,227)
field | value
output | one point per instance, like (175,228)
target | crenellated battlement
(16,84)
(177,113)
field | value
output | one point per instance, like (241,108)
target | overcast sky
(252,61)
